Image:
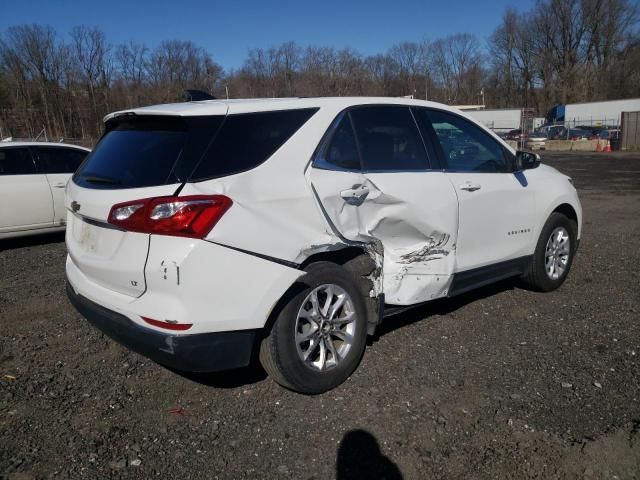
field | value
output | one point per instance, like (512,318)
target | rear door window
(389,139)
(144,151)
(16,161)
(247,140)
(59,159)
(341,151)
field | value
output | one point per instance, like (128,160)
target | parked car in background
(553,132)
(607,134)
(592,130)
(201,234)
(517,135)
(578,134)
(536,140)
(33,176)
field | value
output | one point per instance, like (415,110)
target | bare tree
(34,53)
(93,61)
(559,51)
(175,65)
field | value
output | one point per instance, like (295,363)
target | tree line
(560,51)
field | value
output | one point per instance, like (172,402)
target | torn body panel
(409,222)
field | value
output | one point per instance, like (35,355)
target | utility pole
(426,84)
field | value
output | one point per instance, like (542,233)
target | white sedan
(33,176)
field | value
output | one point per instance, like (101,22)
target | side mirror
(526,160)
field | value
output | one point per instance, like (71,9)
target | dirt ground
(498,383)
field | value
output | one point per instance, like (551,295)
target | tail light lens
(192,216)
(168,325)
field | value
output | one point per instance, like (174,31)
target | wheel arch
(339,256)
(568,211)
(360,261)
(570,208)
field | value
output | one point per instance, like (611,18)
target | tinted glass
(247,140)
(147,151)
(466,147)
(59,159)
(16,161)
(341,151)
(389,139)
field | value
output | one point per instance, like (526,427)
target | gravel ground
(498,383)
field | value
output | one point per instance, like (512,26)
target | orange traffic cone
(607,147)
(598,147)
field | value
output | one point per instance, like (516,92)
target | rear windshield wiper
(97,179)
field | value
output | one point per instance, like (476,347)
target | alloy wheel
(325,327)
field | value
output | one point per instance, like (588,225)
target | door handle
(355,195)
(59,185)
(470,187)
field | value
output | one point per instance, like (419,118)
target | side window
(16,161)
(389,139)
(247,140)
(59,159)
(341,150)
(465,146)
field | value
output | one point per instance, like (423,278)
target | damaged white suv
(203,234)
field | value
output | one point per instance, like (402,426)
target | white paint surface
(419,227)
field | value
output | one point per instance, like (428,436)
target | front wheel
(319,336)
(554,253)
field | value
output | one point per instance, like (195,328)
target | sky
(228,30)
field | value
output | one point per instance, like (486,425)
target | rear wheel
(318,337)
(554,254)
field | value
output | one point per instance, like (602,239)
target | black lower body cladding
(201,352)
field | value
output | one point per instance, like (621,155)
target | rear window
(143,151)
(247,140)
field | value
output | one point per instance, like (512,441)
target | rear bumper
(202,352)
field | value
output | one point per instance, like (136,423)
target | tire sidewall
(554,221)
(302,377)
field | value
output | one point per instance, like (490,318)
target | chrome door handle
(470,187)
(355,195)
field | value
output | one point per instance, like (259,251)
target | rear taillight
(192,216)
(168,325)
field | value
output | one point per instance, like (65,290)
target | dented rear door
(399,202)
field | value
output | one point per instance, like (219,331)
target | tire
(543,276)
(300,330)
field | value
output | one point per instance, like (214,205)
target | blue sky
(229,29)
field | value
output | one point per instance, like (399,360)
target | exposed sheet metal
(408,224)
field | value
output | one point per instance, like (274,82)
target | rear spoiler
(196,96)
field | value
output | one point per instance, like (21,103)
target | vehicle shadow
(439,307)
(359,458)
(238,377)
(254,373)
(31,241)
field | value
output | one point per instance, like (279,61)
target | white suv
(202,234)
(33,176)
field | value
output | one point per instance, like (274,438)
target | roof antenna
(196,96)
